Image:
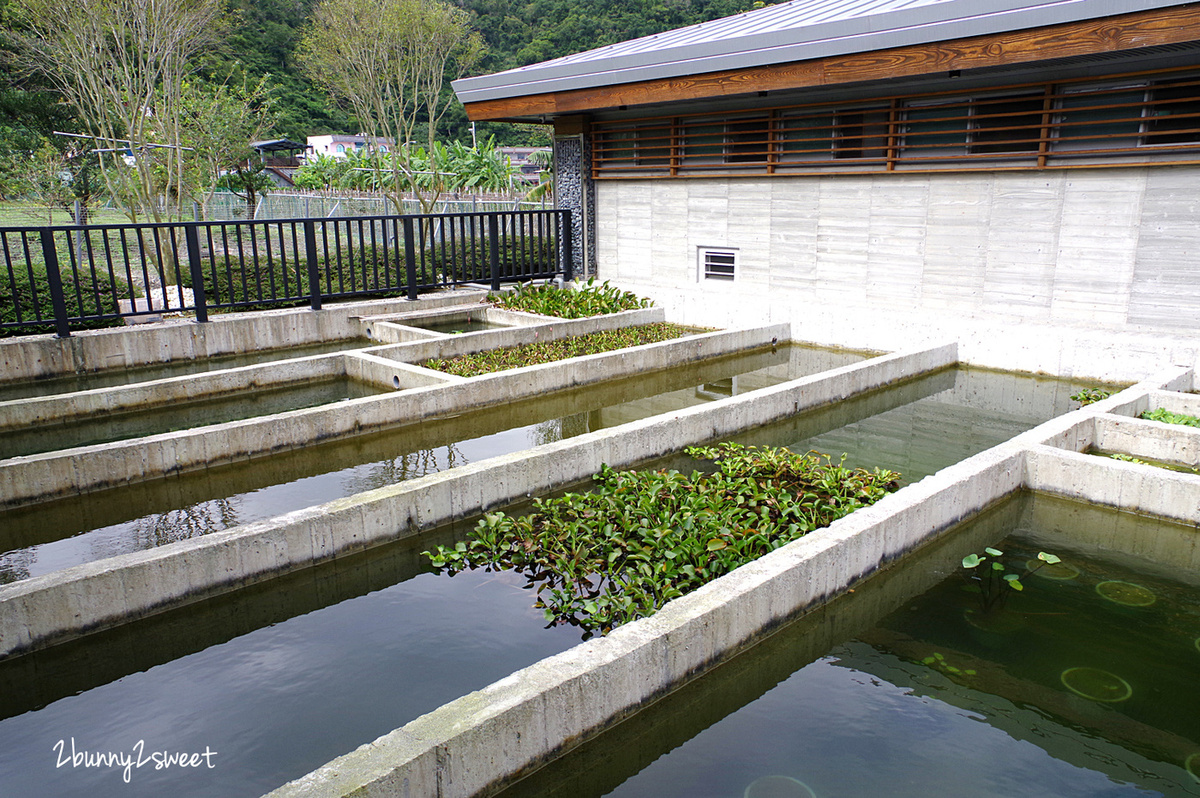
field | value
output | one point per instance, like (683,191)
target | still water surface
(897,690)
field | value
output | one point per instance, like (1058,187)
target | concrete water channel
(297,637)
(828,705)
(481,626)
(47,536)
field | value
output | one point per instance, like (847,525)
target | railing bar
(173,239)
(241,257)
(86,238)
(232,295)
(337,248)
(141,246)
(212,265)
(283,256)
(12,276)
(271,262)
(33,282)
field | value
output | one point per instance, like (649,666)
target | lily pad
(1192,766)
(1126,594)
(1096,685)
(778,787)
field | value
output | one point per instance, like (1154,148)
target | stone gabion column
(574,190)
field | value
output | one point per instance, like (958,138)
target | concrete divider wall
(496,734)
(397,327)
(1187,404)
(41,610)
(1148,440)
(41,356)
(41,476)
(62,408)
(1130,486)
(387,373)
(492,737)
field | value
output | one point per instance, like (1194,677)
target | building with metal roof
(1021,176)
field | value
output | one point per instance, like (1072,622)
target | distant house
(1021,176)
(338,144)
(519,157)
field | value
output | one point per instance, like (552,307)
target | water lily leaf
(1049,559)
(971,560)
(993,552)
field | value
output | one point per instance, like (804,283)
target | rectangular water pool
(1082,684)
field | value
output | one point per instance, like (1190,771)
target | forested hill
(517,32)
(265,34)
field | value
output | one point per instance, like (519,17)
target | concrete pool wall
(42,610)
(490,738)
(38,477)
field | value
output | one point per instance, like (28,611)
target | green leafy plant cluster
(995,581)
(590,300)
(641,538)
(1167,417)
(377,268)
(1090,396)
(33,298)
(548,351)
(235,282)
(1128,458)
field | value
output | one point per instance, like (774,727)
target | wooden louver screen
(1120,120)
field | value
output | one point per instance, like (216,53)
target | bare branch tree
(122,64)
(388,61)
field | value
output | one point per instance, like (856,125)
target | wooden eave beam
(1107,35)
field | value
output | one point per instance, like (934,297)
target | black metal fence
(71,276)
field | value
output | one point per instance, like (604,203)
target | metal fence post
(314,276)
(410,256)
(566,246)
(57,297)
(494,249)
(199,296)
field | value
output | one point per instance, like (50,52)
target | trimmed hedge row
(369,274)
(33,297)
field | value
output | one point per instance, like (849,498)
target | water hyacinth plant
(1090,396)
(549,300)
(642,538)
(1167,417)
(548,351)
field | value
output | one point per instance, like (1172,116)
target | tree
(122,64)
(219,123)
(388,60)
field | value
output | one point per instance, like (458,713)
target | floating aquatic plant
(549,351)
(938,660)
(1096,685)
(1090,396)
(641,538)
(995,582)
(1127,594)
(1167,417)
(548,299)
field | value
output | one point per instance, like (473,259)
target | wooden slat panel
(1038,126)
(1112,34)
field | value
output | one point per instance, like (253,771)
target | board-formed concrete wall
(1089,273)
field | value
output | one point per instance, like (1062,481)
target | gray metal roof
(793,31)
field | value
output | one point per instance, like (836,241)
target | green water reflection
(890,691)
